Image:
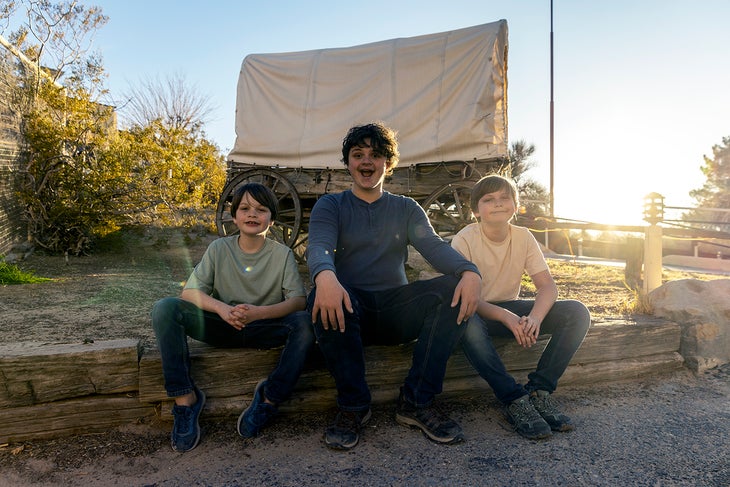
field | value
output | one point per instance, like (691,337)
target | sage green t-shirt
(266,277)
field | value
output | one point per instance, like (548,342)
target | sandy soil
(662,431)
(670,430)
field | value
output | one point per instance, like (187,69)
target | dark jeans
(417,311)
(175,319)
(567,322)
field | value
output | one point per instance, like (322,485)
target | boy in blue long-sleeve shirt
(357,250)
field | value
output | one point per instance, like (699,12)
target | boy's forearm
(204,301)
(286,307)
(543,303)
(490,311)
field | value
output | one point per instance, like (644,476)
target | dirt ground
(668,430)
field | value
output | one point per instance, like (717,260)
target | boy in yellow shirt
(503,252)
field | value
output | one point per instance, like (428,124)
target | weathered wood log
(81,388)
(34,373)
(619,350)
(75,416)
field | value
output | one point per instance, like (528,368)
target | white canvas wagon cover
(445,94)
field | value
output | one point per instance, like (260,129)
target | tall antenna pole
(552,121)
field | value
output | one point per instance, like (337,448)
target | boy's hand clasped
(240,315)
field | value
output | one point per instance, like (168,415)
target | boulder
(702,309)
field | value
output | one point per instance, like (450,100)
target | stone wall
(12,228)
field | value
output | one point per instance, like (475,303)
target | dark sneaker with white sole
(344,432)
(526,420)
(257,414)
(186,429)
(434,423)
(548,409)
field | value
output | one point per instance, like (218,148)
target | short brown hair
(492,183)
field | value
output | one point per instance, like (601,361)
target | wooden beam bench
(55,390)
(610,351)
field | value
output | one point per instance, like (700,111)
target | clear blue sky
(641,88)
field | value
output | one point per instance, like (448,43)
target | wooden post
(653,214)
(652,258)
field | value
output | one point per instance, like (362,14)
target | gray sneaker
(185,429)
(434,423)
(548,409)
(526,420)
(344,433)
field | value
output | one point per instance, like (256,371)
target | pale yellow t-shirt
(501,264)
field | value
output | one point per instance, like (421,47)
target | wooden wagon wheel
(448,208)
(289,221)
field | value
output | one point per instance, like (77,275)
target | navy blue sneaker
(186,430)
(257,414)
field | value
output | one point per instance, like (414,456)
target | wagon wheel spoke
(448,208)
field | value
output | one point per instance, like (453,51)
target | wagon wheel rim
(448,208)
(288,223)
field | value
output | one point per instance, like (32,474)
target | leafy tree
(715,193)
(83,178)
(167,118)
(177,172)
(50,45)
(533,195)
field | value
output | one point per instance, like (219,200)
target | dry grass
(603,288)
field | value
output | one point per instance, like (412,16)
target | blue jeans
(567,322)
(417,311)
(175,319)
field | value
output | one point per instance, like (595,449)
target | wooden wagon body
(445,94)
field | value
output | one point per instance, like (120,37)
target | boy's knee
(162,310)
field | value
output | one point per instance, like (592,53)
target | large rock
(702,309)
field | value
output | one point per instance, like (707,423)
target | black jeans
(417,311)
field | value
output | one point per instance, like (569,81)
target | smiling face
(367,167)
(497,207)
(251,217)
(370,153)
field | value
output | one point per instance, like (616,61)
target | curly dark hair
(382,139)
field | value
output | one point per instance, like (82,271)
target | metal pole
(552,121)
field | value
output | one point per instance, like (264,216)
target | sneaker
(185,429)
(526,420)
(344,433)
(257,414)
(548,409)
(434,423)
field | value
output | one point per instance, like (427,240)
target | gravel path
(661,431)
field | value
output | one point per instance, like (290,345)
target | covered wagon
(445,94)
